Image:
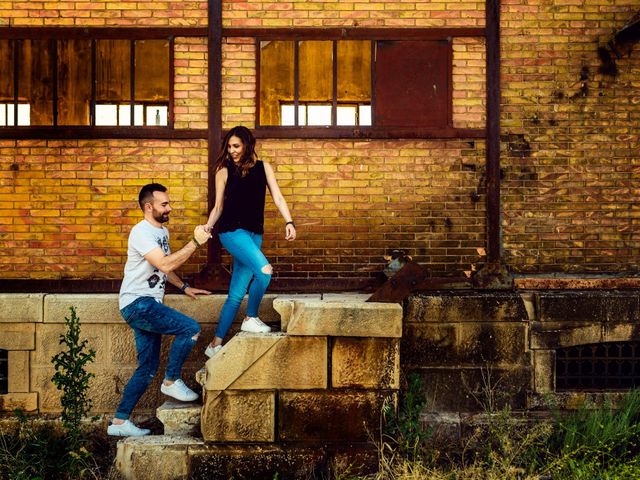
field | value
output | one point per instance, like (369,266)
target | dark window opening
(355,83)
(598,367)
(4,372)
(82,82)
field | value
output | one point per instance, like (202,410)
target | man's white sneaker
(210,351)
(127,429)
(254,325)
(179,391)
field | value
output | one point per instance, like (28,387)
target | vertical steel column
(492,12)
(214,70)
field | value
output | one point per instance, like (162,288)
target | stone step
(344,315)
(180,418)
(162,457)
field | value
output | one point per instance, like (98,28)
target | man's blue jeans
(248,262)
(150,320)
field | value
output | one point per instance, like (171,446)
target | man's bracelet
(184,286)
(195,242)
(290,223)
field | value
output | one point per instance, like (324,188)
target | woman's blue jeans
(150,320)
(248,262)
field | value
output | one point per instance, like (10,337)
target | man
(150,264)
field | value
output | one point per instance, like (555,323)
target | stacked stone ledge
(324,378)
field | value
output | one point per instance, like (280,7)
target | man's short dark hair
(146,193)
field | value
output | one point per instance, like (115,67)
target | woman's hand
(289,232)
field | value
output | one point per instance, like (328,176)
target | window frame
(94,34)
(373,35)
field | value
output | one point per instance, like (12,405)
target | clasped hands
(201,234)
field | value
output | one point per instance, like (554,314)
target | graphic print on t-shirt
(155,278)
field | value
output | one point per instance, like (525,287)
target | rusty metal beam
(493,130)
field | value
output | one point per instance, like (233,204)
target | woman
(241,180)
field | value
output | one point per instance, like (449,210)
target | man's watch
(184,286)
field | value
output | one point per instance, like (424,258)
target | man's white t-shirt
(141,279)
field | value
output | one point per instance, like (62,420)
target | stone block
(206,308)
(589,306)
(331,416)
(550,339)
(94,308)
(180,418)
(450,344)
(544,369)
(365,363)
(269,361)
(458,389)
(21,307)
(18,374)
(465,307)
(18,336)
(156,457)
(27,402)
(283,304)
(239,416)
(47,341)
(257,462)
(343,318)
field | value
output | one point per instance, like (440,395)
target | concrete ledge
(21,308)
(348,317)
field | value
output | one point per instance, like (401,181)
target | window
(598,366)
(85,82)
(355,83)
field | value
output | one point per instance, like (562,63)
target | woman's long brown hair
(248,159)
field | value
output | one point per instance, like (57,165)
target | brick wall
(568,152)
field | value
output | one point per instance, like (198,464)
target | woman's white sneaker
(179,391)
(127,429)
(254,325)
(210,351)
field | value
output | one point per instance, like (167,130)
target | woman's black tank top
(244,200)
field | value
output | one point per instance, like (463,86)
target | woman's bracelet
(290,223)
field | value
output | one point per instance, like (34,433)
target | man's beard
(160,217)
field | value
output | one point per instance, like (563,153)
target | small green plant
(72,377)
(403,428)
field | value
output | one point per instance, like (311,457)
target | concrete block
(18,374)
(284,304)
(21,307)
(589,306)
(269,361)
(544,369)
(94,308)
(27,402)
(365,363)
(343,318)
(18,336)
(206,309)
(180,418)
(257,462)
(464,344)
(157,457)
(239,416)
(325,416)
(565,337)
(470,389)
(465,307)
